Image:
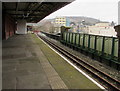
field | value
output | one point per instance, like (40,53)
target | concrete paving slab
(21,66)
(26,67)
(34,81)
(8,82)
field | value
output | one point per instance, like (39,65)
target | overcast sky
(105,10)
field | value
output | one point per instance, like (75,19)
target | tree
(46,26)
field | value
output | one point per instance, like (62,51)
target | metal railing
(53,36)
(103,47)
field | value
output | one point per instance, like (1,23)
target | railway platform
(28,63)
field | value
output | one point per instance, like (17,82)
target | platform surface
(30,64)
(22,67)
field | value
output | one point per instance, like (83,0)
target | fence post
(72,39)
(113,47)
(83,40)
(103,45)
(75,38)
(95,45)
(62,31)
(79,41)
(69,38)
(89,42)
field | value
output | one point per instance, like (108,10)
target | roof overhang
(32,12)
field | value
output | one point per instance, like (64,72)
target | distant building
(103,28)
(60,21)
(102,24)
(79,27)
(67,22)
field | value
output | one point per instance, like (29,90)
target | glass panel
(99,43)
(108,45)
(81,39)
(92,41)
(73,38)
(70,37)
(77,39)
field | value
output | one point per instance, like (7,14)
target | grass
(71,77)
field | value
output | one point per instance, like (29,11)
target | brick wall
(9,26)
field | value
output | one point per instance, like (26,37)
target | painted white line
(74,66)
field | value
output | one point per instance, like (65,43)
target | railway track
(105,80)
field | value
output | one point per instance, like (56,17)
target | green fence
(100,46)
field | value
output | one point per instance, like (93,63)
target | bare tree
(47,27)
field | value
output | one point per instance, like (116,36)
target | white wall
(102,31)
(21,27)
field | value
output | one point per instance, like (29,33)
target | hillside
(76,20)
(88,20)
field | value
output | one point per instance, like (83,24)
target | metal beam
(35,9)
(27,8)
(16,9)
(28,16)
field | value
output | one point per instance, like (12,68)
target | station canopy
(32,12)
